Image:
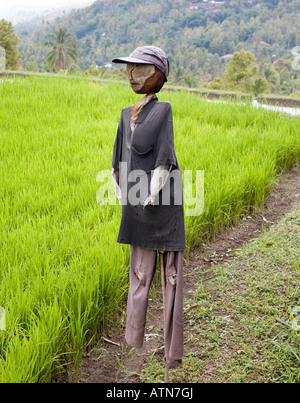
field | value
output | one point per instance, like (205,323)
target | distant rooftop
(262,43)
(228,56)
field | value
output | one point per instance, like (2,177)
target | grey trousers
(142,269)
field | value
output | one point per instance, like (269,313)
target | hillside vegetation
(195,35)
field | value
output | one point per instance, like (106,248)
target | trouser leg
(142,269)
(173,263)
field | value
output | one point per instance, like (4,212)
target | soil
(276,101)
(291,103)
(113,361)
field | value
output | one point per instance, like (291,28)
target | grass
(199,90)
(63,275)
(240,326)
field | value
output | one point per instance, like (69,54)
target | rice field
(62,274)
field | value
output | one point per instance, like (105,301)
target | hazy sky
(12,6)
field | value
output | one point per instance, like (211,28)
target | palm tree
(178,75)
(272,77)
(64,50)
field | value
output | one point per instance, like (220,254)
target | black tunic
(160,227)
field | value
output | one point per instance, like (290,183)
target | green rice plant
(62,274)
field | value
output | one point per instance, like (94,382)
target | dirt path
(118,363)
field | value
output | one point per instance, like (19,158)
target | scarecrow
(144,153)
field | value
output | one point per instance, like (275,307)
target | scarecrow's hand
(149,201)
(158,180)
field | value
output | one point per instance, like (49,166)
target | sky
(11,7)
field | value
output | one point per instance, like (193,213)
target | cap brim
(130,60)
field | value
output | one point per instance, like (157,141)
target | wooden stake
(163,284)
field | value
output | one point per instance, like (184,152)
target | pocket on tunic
(142,160)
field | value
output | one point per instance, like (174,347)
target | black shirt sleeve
(117,150)
(165,148)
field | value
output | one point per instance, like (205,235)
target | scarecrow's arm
(158,180)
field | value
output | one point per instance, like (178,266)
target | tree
(93,71)
(177,76)
(260,86)
(9,41)
(2,58)
(272,76)
(241,71)
(32,66)
(190,80)
(216,84)
(64,50)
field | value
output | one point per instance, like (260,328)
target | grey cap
(148,55)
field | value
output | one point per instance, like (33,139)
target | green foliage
(2,58)
(9,41)
(195,40)
(240,71)
(62,273)
(242,74)
(268,71)
(242,318)
(32,66)
(216,84)
(259,86)
(63,51)
(93,71)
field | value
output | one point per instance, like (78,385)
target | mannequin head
(147,69)
(145,78)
